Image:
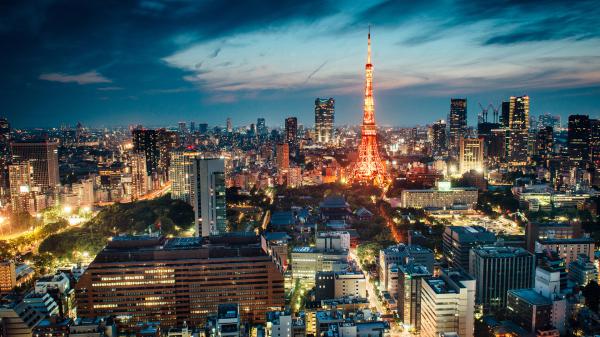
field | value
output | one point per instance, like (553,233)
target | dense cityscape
(284,229)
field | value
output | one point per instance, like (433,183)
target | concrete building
(409,294)
(448,304)
(470,155)
(529,309)
(307,261)
(43,157)
(8,277)
(350,284)
(442,197)
(174,280)
(498,269)
(400,255)
(228,320)
(208,196)
(582,271)
(568,249)
(324,118)
(457,242)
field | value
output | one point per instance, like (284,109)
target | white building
(350,284)
(59,281)
(443,197)
(448,304)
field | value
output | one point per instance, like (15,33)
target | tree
(591,292)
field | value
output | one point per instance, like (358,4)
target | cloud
(109,88)
(90,77)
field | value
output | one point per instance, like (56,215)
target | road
(373,301)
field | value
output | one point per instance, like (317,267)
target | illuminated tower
(369,166)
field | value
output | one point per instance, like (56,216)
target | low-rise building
(582,271)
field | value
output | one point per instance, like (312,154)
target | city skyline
(103,66)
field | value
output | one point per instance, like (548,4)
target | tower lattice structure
(369,166)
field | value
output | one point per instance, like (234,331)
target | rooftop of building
(500,251)
(145,247)
(276,236)
(584,240)
(530,296)
(403,248)
(334,201)
(414,269)
(227,311)
(471,234)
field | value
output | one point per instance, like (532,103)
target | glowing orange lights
(369,167)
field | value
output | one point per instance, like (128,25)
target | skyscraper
(439,145)
(458,123)
(43,157)
(182,128)
(4,153)
(470,155)
(369,166)
(139,174)
(21,187)
(505,114)
(324,118)
(519,130)
(544,144)
(498,269)
(208,195)
(282,152)
(595,142)
(166,142)
(291,130)
(229,125)
(579,138)
(410,277)
(146,141)
(192,127)
(181,174)
(261,127)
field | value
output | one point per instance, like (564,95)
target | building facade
(324,118)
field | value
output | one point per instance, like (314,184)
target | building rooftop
(334,201)
(530,296)
(227,311)
(151,248)
(471,234)
(500,251)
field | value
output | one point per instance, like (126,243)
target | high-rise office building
(544,144)
(166,142)
(470,155)
(21,187)
(203,128)
(324,118)
(291,130)
(4,153)
(282,151)
(139,175)
(529,309)
(182,128)
(181,174)
(547,119)
(497,146)
(448,304)
(579,139)
(146,141)
(439,146)
(409,294)
(498,269)
(43,157)
(519,130)
(595,141)
(192,127)
(457,241)
(172,281)
(261,127)
(229,125)
(208,195)
(505,114)
(457,120)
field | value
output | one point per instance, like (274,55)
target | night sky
(108,63)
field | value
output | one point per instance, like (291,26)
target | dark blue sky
(160,62)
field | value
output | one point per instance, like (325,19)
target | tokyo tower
(369,167)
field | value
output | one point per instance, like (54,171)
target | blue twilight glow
(159,62)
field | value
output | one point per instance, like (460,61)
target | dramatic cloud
(91,77)
(192,59)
